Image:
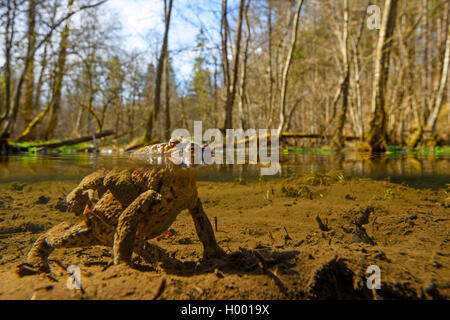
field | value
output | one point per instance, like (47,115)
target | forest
(359,73)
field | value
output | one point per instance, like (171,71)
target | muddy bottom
(309,238)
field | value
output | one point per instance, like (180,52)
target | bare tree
(9,120)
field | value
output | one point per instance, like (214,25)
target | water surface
(415,169)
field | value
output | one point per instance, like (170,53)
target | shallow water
(407,229)
(414,169)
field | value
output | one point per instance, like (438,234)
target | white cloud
(137,18)
(141,18)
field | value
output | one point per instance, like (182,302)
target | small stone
(199,290)
(17,186)
(61,205)
(218,273)
(43,200)
(185,241)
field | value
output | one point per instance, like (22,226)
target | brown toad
(134,205)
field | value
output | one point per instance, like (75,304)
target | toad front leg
(80,197)
(211,249)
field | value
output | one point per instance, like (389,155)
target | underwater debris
(322,179)
(362,218)
(300,191)
(300,186)
(15,186)
(43,200)
(322,226)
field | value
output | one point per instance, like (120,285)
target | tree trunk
(29,106)
(9,39)
(167,97)
(427,126)
(338,140)
(56,105)
(439,93)
(243,78)
(153,118)
(376,136)
(231,90)
(287,65)
(269,113)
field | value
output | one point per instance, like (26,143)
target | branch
(57,24)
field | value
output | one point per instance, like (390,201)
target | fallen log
(72,142)
(297,135)
(313,135)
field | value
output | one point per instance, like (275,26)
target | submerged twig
(322,226)
(263,265)
(161,288)
(64,269)
(286,237)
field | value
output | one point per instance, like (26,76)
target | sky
(140,19)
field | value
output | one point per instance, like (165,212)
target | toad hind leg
(211,249)
(63,235)
(124,239)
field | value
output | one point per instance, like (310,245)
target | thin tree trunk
(224,29)
(439,95)
(9,39)
(243,78)
(269,114)
(356,72)
(215,95)
(167,97)
(425,73)
(29,106)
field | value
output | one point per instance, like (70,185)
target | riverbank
(313,237)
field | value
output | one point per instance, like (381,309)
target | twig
(263,264)
(63,267)
(287,237)
(322,226)
(262,261)
(161,288)
(18,248)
